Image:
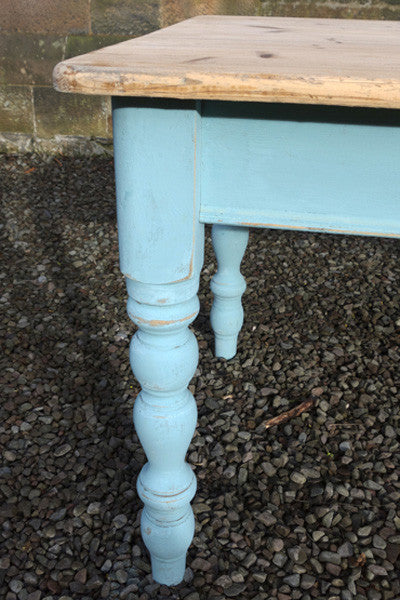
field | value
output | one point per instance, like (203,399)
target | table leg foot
(164,357)
(168,572)
(228,285)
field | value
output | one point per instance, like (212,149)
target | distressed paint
(161,241)
(157,140)
(301,167)
(228,285)
(316,229)
(159,323)
(164,357)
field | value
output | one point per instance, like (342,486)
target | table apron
(300,167)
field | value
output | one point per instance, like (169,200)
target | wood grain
(268,59)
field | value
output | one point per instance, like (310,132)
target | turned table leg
(164,356)
(228,285)
(161,253)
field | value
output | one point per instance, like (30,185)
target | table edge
(196,85)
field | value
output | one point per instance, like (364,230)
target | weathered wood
(270,59)
(290,414)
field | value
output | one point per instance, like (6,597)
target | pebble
(279,559)
(59,514)
(93,508)
(292,580)
(377,570)
(297,555)
(200,564)
(276,544)
(130,589)
(224,581)
(327,519)
(235,589)
(4,562)
(372,485)
(49,531)
(106,566)
(267,518)
(307,581)
(345,550)
(378,542)
(298,478)
(10,456)
(330,557)
(16,585)
(390,432)
(62,450)
(268,469)
(120,521)
(323,405)
(121,575)
(317,535)
(344,446)
(364,531)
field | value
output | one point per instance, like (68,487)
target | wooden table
(239,122)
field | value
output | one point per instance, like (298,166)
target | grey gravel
(307,581)
(305,510)
(292,580)
(298,478)
(279,559)
(345,550)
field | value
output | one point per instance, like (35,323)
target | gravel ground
(307,509)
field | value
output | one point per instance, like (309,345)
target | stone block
(124,17)
(173,11)
(69,114)
(73,145)
(45,16)
(15,143)
(340,9)
(16,109)
(29,58)
(81,44)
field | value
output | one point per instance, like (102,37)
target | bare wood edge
(194,85)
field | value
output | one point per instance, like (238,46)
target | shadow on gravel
(67,357)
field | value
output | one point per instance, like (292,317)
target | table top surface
(267,59)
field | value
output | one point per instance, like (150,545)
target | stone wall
(36,34)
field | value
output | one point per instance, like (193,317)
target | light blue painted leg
(161,254)
(164,356)
(228,285)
